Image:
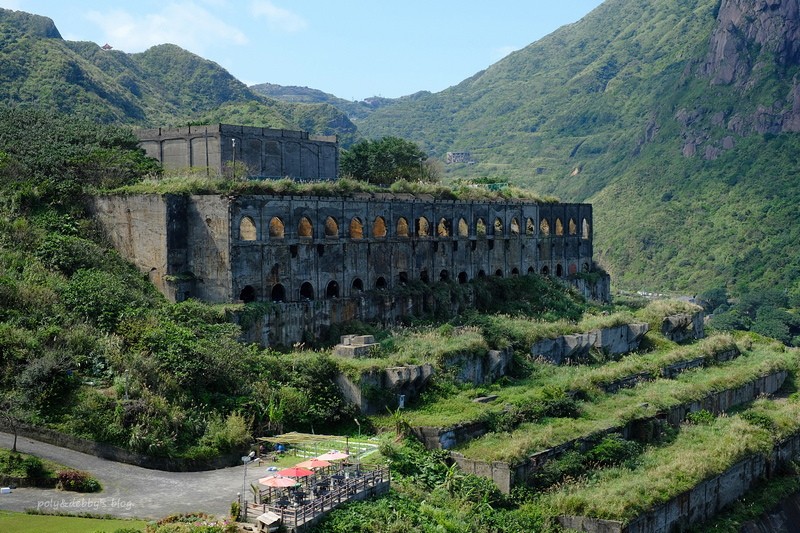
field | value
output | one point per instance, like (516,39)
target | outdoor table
(282,503)
(337,478)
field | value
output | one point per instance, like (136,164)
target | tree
(385,161)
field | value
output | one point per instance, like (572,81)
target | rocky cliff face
(755,41)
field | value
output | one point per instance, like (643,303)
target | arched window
(356,229)
(573,228)
(331,227)
(247,229)
(573,268)
(498,227)
(559,227)
(514,227)
(481,274)
(444,275)
(545,271)
(306,291)
(332,290)
(585,229)
(402,278)
(248,294)
(423,227)
(278,293)
(276,228)
(304,229)
(463,228)
(380,283)
(424,276)
(498,273)
(530,227)
(531,270)
(402,227)
(559,271)
(585,267)
(514,272)
(443,229)
(379,228)
(462,277)
(544,227)
(480,227)
(358,286)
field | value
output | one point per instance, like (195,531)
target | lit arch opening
(276,228)
(331,227)
(356,229)
(379,228)
(247,229)
(304,229)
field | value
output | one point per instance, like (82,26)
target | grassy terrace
(188,181)
(603,411)
(435,344)
(546,379)
(661,473)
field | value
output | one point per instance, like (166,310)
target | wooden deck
(357,483)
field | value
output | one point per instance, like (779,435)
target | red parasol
(296,471)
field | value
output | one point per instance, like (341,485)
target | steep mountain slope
(161,86)
(667,114)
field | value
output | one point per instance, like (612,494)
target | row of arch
(422,228)
(332,290)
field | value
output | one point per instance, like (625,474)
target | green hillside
(655,113)
(164,85)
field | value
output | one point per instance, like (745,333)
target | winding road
(130,491)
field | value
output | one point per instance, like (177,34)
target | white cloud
(278,18)
(186,24)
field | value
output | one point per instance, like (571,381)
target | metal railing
(369,476)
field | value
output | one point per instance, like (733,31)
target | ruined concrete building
(326,260)
(263,152)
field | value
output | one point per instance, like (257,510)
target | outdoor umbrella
(278,481)
(313,463)
(333,455)
(295,471)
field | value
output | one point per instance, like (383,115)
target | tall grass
(605,411)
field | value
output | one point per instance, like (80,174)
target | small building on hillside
(263,152)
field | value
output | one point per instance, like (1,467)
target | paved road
(130,491)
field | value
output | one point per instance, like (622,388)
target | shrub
(34,468)
(613,450)
(78,481)
(700,417)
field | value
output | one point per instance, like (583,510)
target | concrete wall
(702,501)
(264,152)
(506,476)
(255,247)
(115,453)
(567,349)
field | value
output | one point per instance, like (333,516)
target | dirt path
(130,491)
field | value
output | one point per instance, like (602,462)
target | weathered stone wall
(574,348)
(292,249)
(115,453)
(702,501)
(264,152)
(380,389)
(506,475)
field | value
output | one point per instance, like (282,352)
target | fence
(372,479)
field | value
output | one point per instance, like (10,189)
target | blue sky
(353,49)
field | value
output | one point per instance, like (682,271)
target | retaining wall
(120,455)
(380,389)
(506,476)
(699,503)
(575,348)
